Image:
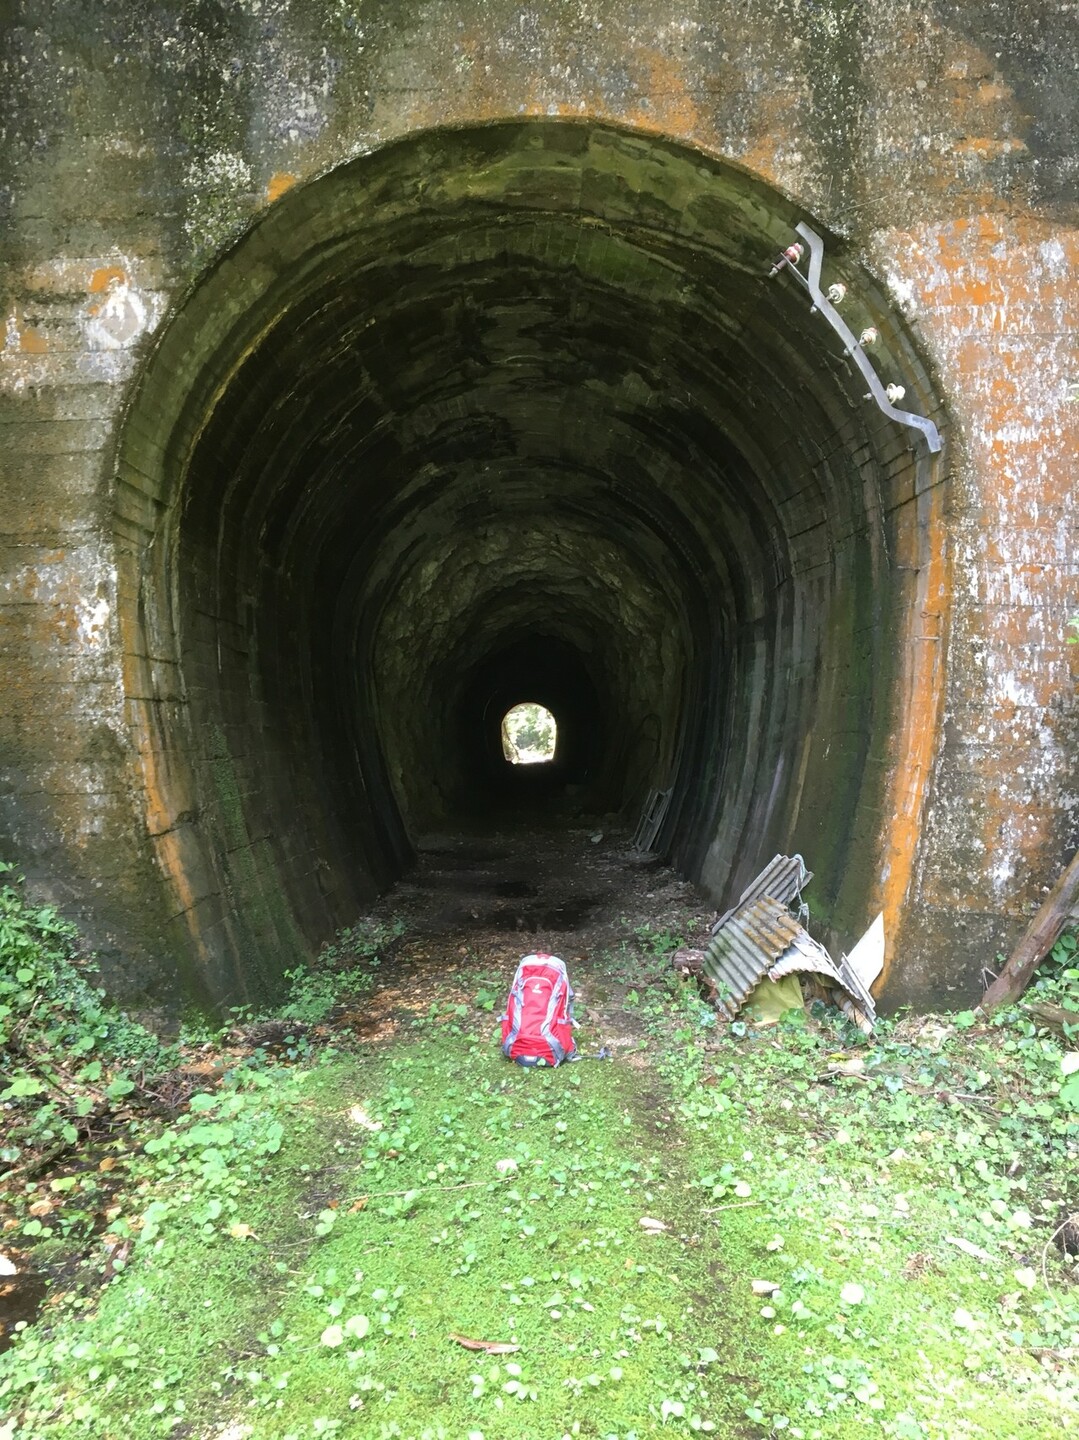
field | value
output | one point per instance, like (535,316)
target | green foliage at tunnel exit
(529,734)
(296,1248)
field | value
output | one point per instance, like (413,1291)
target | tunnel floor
(479,899)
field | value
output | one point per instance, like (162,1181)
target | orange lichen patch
(971,292)
(104,276)
(986,148)
(170,857)
(476,91)
(32,342)
(280,182)
(921,692)
(775,125)
(1020,442)
(65,624)
(672,108)
(30,339)
(990,91)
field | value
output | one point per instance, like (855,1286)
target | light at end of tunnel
(529,734)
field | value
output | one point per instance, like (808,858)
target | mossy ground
(308,1239)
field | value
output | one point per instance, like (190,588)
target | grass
(855,1239)
(493,1203)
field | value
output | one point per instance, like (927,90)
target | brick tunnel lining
(508,396)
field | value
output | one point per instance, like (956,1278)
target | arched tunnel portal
(502,413)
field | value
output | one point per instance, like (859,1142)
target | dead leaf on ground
(763,1287)
(109,1163)
(651,1225)
(489,1347)
(42,1207)
(359,1116)
(242,1231)
(358,1205)
(968,1247)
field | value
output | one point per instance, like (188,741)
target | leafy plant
(69,1057)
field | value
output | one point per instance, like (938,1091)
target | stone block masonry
(360,361)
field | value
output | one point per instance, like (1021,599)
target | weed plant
(68,1057)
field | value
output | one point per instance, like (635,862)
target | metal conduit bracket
(851,345)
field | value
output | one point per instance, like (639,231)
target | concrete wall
(938,141)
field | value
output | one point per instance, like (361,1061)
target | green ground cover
(845,1238)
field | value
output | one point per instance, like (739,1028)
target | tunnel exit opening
(529,734)
(501,411)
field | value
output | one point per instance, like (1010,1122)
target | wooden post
(1041,935)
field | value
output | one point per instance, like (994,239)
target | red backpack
(537,1028)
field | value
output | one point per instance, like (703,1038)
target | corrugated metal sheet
(806,954)
(760,937)
(752,938)
(783,879)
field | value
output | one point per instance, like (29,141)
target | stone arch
(523,384)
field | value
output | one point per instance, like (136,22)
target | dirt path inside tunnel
(477,901)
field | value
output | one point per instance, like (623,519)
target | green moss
(307,1247)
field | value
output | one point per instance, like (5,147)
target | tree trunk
(1041,935)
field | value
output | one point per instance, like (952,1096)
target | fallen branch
(1041,935)
(489,1347)
(1054,1016)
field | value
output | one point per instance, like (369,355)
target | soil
(476,903)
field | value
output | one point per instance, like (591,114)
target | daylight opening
(529,734)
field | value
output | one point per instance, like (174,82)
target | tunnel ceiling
(509,413)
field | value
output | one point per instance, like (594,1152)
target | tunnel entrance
(502,411)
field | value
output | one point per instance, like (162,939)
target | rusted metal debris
(783,879)
(759,939)
(750,940)
(806,954)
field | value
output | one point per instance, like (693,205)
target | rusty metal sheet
(806,954)
(783,878)
(751,939)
